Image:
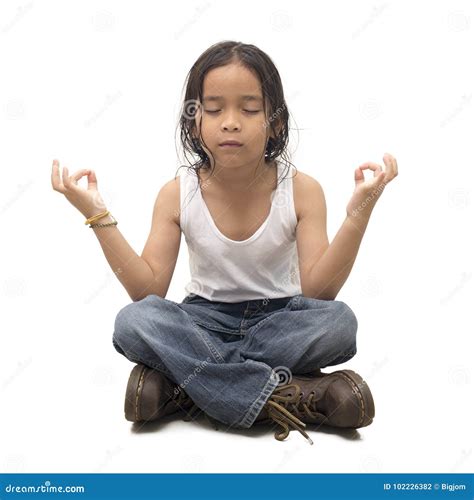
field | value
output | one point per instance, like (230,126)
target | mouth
(230,144)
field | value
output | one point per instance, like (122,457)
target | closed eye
(217,111)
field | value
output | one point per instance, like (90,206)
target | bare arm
(328,275)
(151,272)
(132,271)
(140,275)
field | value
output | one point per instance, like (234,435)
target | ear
(278,127)
(197,120)
(276,122)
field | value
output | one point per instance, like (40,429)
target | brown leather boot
(150,395)
(340,399)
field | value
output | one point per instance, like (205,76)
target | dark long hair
(254,59)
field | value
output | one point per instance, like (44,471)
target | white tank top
(224,270)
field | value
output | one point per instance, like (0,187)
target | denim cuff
(258,404)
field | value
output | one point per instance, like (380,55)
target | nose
(230,122)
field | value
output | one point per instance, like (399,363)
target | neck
(244,177)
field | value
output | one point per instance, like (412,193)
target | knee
(345,323)
(134,322)
(125,326)
(117,347)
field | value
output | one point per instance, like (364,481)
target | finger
(388,160)
(381,179)
(371,165)
(394,165)
(66,180)
(79,174)
(358,175)
(368,165)
(55,177)
(70,181)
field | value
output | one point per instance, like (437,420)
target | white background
(98,84)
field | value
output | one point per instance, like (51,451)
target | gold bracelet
(96,217)
(114,223)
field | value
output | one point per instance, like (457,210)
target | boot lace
(180,398)
(280,405)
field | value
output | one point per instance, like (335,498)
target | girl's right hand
(87,201)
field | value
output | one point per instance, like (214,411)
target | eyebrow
(244,97)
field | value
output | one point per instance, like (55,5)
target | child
(259,318)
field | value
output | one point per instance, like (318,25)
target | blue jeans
(229,357)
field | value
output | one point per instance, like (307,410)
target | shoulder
(308,194)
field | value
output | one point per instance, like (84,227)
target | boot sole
(364,395)
(133,393)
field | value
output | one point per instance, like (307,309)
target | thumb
(380,180)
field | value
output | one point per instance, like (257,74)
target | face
(232,110)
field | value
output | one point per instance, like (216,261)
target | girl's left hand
(367,191)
